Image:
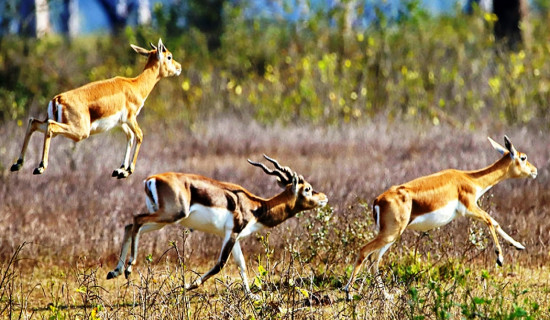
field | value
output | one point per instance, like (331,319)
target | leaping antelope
(101,106)
(216,207)
(435,200)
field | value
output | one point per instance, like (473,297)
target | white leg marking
(380,254)
(377,276)
(239,259)
(144,229)
(377,211)
(131,137)
(505,236)
(123,255)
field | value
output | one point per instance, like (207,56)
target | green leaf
(81,290)
(478,300)
(258,282)
(303,291)
(262,270)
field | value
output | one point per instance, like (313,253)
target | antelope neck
(493,174)
(275,211)
(147,80)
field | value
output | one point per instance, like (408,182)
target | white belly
(438,218)
(216,221)
(250,228)
(210,220)
(108,123)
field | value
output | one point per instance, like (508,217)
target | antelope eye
(169,57)
(307,189)
(523,158)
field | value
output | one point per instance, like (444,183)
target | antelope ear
(140,50)
(510,147)
(295,181)
(497,146)
(152,46)
(160,49)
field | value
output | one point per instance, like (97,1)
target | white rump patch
(377,211)
(438,218)
(152,204)
(59,113)
(50,110)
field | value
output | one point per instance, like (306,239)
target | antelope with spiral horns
(216,207)
(101,106)
(435,200)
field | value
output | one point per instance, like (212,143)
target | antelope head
(519,167)
(295,186)
(160,54)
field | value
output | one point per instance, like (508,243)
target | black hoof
(192,287)
(15,167)
(111,275)
(121,173)
(38,170)
(127,274)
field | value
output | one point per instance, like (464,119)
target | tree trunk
(42,18)
(144,12)
(207,16)
(35,18)
(69,18)
(507,28)
(117,12)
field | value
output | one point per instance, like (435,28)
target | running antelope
(101,106)
(435,200)
(220,208)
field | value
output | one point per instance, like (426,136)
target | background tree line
(349,61)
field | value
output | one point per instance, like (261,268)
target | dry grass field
(60,233)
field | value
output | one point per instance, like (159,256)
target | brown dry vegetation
(70,222)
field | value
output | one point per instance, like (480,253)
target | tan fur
(83,106)
(401,205)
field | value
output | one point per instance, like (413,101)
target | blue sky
(93,18)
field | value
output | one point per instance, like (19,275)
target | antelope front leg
(139,138)
(481,215)
(239,259)
(123,172)
(227,247)
(506,237)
